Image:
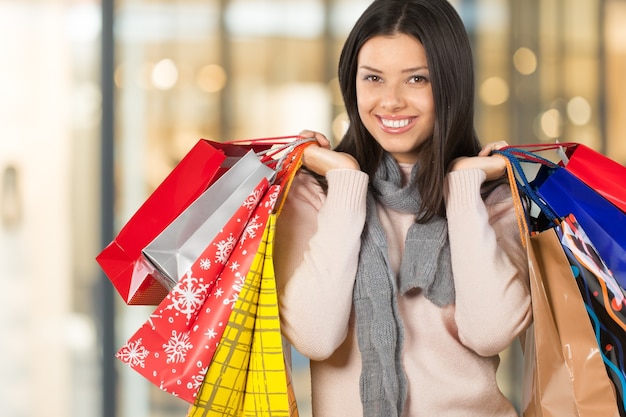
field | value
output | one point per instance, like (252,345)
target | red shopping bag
(602,174)
(121,260)
(175,345)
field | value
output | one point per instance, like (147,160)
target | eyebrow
(368,68)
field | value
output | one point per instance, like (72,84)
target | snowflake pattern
(273,197)
(205,264)
(189,296)
(224,248)
(196,380)
(232,300)
(251,229)
(134,353)
(188,325)
(253,199)
(177,347)
(239,281)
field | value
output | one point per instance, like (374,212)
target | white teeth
(395,123)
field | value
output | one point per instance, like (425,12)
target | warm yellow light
(551,122)
(525,61)
(494,91)
(579,111)
(211,78)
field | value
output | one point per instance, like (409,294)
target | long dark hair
(436,24)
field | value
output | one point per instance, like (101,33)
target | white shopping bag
(176,248)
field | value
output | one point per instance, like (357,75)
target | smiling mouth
(396,124)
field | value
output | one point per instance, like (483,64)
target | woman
(400,270)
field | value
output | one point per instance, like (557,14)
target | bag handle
(269,149)
(540,147)
(285,159)
(519,183)
(284,155)
(270,140)
(525,155)
(522,219)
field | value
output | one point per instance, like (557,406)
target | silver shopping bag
(176,248)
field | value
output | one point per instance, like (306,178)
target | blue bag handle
(516,156)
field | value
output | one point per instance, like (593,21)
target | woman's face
(394,94)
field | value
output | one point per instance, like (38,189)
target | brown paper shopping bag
(564,373)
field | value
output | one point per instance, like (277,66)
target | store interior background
(99,100)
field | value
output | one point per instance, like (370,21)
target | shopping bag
(283,154)
(564,194)
(121,260)
(175,249)
(604,301)
(175,345)
(603,222)
(564,372)
(597,171)
(136,280)
(248,375)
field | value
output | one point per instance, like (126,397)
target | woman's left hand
(494,166)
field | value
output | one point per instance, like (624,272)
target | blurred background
(100,99)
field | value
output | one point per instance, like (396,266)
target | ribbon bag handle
(284,156)
(521,185)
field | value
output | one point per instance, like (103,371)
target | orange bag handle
(287,168)
(522,224)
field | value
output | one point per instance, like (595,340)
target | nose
(391,98)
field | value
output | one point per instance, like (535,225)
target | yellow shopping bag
(248,375)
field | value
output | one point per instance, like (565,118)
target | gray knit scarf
(425,265)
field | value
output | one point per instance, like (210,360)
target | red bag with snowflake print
(175,345)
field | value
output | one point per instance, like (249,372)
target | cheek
(365,101)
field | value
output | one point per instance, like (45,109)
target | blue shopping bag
(559,193)
(603,222)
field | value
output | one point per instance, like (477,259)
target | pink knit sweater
(450,354)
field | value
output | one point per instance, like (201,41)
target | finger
(320,138)
(307,134)
(490,147)
(499,145)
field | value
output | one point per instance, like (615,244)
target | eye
(418,79)
(372,78)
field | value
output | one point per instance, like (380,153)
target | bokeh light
(579,111)
(525,61)
(164,74)
(211,78)
(551,122)
(494,91)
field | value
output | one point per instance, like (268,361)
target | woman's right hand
(321,159)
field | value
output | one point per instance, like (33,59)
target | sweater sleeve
(318,238)
(489,264)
